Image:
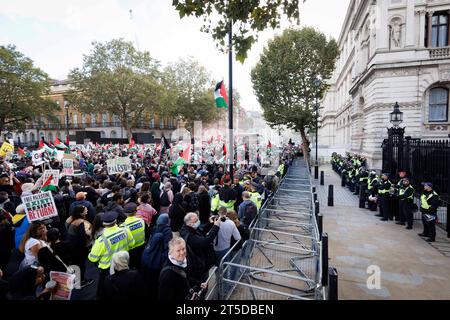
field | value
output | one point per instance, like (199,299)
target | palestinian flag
(224,151)
(132,143)
(58,144)
(220,95)
(47,186)
(20,151)
(175,167)
(187,154)
(41,144)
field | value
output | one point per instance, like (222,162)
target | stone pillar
(410,25)
(430,28)
(382,25)
(422,15)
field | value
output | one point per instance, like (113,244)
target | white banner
(64,285)
(68,167)
(37,157)
(119,164)
(40,206)
(54,173)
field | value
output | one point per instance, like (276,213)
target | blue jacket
(241,211)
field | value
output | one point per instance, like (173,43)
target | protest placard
(37,157)
(65,284)
(39,206)
(54,174)
(119,164)
(6,148)
(68,169)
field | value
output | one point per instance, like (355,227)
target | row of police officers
(392,199)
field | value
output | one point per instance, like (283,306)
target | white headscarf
(178,263)
(119,262)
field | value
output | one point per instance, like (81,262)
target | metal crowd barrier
(282,258)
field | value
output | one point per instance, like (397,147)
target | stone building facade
(390,51)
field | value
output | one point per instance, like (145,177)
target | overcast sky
(56,34)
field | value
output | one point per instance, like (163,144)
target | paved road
(411,268)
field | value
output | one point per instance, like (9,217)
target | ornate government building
(390,51)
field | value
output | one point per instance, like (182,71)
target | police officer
(372,190)
(363,179)
(112,240)
(385,199)
(255,197)
(406,202)
(227,195)
(429,203)
(137,228)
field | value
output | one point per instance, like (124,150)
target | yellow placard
(6,147)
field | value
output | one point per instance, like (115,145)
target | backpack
(250,213)
(164,202)
(193,202)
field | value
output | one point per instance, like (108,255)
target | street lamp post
(394,145)
(66,106)
(317,83)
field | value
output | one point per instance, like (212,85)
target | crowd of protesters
(392,195)
(153,232)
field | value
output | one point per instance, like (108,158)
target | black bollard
(313,189)
(324,259)
(321,178)
(343,180)
(320,224)
(314,196)
(333,284)
(316,172)
(330,195)
(316,206)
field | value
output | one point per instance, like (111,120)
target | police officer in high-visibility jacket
(385,198)
(112,240)
(372,190)
(227,195)
(255,196)
(429,203)
(406,202)
(215,199)
(137,228)
(281,168)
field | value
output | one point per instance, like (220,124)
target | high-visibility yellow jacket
(137,228)
(256,198)
(113,239)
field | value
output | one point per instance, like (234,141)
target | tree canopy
(249,17)
(117,78)
(284,78)
(23,90)
(190,92)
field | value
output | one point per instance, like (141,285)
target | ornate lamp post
(394,151)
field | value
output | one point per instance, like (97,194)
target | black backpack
(250,213)
(194,203)
(164,199)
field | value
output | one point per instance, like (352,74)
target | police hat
(427,184)
(110,216)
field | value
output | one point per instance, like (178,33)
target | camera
(223,219)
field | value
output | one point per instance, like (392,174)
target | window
(152,121)
(83,118)
(93,119)
(439,32)
(104,119)
(161,123)
(438,105)
(116,121)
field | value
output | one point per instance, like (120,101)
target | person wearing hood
(166,198)
(177,211)
(155,255)
(116,204)
(123,283)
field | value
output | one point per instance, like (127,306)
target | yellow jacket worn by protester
(113,239)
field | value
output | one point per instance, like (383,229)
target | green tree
(118,79)
(24,90)
(190,92)
(249,17)
(283,79)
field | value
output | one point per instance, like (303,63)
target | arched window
(50,137)
(32,137)
(102,134)
(113,134)
(438,105)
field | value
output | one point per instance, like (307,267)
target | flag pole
(230,99)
